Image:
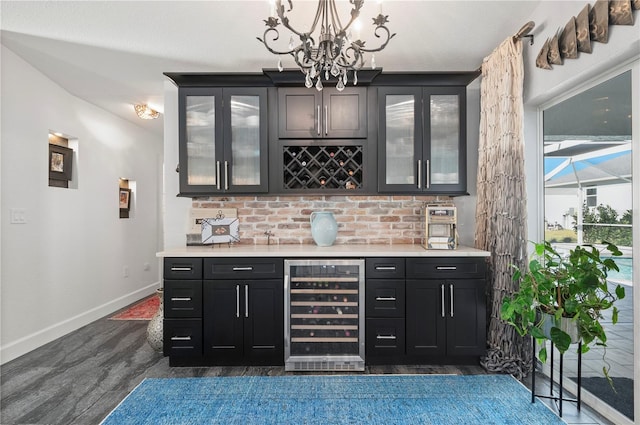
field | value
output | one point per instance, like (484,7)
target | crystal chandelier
(145,112)
(333,52)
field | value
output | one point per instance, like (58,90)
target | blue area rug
(332,399)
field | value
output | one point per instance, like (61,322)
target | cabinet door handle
(180,338)
(218,174)
(442,300)
(451,294)
(386,268)
(446,268)
(385,337)
(237,300)
(419,174)
(242,269)
(427,172)
(319,119)
(246,300)
(326,120)
(181,299)
(385,298)
(181,269)
(226,175)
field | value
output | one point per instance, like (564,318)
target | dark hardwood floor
(81,377)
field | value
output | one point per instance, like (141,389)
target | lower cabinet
(427,310)
(445,318)
(243,322)
(446,308)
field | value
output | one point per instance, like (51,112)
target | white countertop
(224,250)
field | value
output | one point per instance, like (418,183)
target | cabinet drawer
(183,298)
(384,268)
(182,337)
(243,268)
(183,268)
(443,267)
(385,337)
(384,297)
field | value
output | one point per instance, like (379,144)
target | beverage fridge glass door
(324,314)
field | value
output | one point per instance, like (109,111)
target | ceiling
(113,53)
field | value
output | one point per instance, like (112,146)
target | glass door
(588,190)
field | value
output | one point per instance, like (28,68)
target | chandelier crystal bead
(332,50)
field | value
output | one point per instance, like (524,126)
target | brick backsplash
(361,219)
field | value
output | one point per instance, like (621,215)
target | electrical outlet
(125,271)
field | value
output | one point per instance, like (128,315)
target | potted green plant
(557,293)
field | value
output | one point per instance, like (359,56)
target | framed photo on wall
(60,162)
(125,198)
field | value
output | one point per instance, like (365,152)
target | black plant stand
(557,398)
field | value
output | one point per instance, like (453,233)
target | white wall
(64,267)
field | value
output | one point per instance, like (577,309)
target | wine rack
(324,315)
(323,167)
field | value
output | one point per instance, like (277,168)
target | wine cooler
(324,315)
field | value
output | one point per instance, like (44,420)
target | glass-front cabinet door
(422,139)
(223,134)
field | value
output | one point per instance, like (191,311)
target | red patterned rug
(144,310)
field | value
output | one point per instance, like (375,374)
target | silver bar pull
(386,337)
(451,293)
(226,175)
(180,338)
(181,269)
(442,301)
(419,174)
(319,119)
(237,300)
(242,269)
(427,175)
(218,174)
(246,300)
(386,268)
(326,120)
(446,268)
(385,298)
(181,299)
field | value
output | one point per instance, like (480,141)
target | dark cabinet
(243,316)
(422,140)
(385,310)
(307,113)
(222,140)
(182,328)
(446,307)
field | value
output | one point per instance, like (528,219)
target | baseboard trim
(37,339)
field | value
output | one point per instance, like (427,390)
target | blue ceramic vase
(324,228)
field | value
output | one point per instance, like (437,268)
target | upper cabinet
(310,114)
(422,140)
(223,140)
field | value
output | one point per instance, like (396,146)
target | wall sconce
(145,112)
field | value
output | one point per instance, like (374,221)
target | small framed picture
(125,198)
(60,162)
(220,230)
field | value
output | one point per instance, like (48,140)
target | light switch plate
(18,216)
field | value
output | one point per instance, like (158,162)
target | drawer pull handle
(386,337)
(446,268)
(386,268)
(181,269)
(242,269)
(181,299)
(180,338)
(385,298)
